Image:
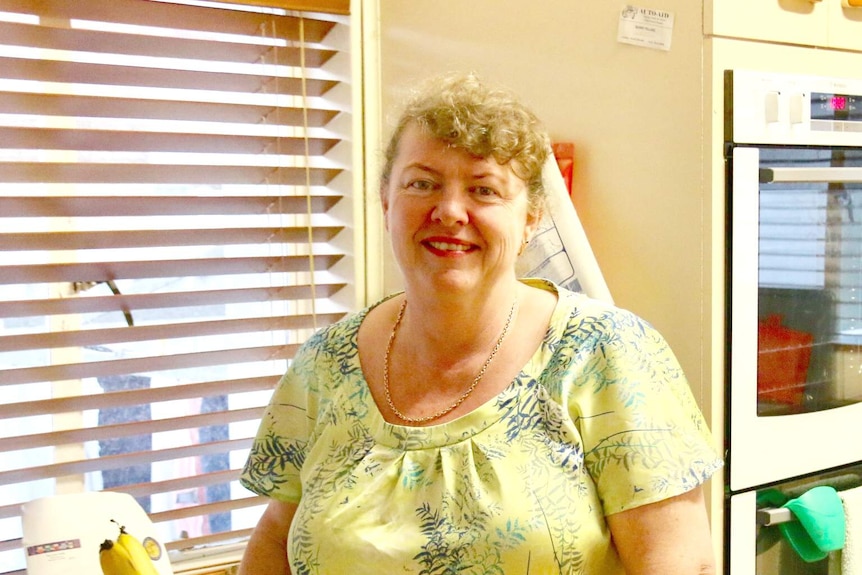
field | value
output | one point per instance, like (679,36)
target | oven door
(757,545)
(795,260)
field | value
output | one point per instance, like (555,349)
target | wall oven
(793,150)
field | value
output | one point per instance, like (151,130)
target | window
(176,217)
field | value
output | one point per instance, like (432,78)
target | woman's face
(456,221)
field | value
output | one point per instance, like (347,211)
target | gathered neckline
(474,422)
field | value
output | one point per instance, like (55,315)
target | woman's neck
(457,325)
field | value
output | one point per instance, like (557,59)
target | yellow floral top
(600,420)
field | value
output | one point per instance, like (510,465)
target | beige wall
(634,114)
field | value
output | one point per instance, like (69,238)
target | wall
(634,114)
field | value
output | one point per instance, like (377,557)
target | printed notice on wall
(645,27)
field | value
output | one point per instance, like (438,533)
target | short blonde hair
(484,121)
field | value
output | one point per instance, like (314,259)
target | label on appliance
(645,27)
(53,547)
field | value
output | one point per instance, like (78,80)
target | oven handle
(773,516)
(846,175)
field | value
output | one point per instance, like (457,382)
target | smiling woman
(169,235)
(478,422)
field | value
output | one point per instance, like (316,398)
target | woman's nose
(450,208)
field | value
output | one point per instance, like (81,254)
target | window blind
(175,221)
(792,233)
(843,265)
(810,235)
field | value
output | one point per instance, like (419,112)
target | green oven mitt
(819,525)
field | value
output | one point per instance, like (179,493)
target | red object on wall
(564,152)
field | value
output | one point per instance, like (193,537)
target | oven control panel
(787,109)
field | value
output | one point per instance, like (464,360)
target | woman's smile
(448,247)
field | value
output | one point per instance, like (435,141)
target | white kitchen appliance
(62,534)
(793,148)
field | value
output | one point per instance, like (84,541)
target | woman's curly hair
(484,121)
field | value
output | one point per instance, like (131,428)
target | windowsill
(216,560)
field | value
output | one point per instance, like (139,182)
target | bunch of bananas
(125,556)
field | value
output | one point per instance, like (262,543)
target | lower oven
(760,545)
(794,309)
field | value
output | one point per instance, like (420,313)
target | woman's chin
(450,281)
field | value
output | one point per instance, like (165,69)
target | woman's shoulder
(342,336)
(578,304)
(579,318)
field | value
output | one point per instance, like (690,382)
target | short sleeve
(644,436)
(282,442)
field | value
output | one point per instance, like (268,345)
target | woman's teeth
(445,246)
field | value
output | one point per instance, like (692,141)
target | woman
(476,423)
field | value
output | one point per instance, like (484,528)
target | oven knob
(770,111)
(795,108)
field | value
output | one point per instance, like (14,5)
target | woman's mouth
(449,247)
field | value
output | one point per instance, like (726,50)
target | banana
(115,560)
(141,560)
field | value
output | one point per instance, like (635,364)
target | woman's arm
(266,551)
(670,537)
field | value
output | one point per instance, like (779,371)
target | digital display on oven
(845,107)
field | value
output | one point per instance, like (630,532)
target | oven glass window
(809,285)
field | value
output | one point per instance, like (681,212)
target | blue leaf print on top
(270,456)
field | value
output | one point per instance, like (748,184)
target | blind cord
(309,226)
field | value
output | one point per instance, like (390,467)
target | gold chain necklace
(464,395)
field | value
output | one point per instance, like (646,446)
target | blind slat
(207,508)
(334,6)
(91,240)
(139,396)
(51,35)
(36,473)
(86,102)
(56,438)
(218,86)
(66,372)
(154,487)
(101,272)
(105,336)
(10,545)
(176,16)
(139,140)
(178,484)
(125,173)
(94,206)
(118,303)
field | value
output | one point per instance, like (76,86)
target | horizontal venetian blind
(793,222)
(811,235)
(173,224)
(844,264)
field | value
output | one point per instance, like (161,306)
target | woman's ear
(534,217)
(384,201)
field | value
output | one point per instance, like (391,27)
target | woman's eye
(420,185)
(484,191)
